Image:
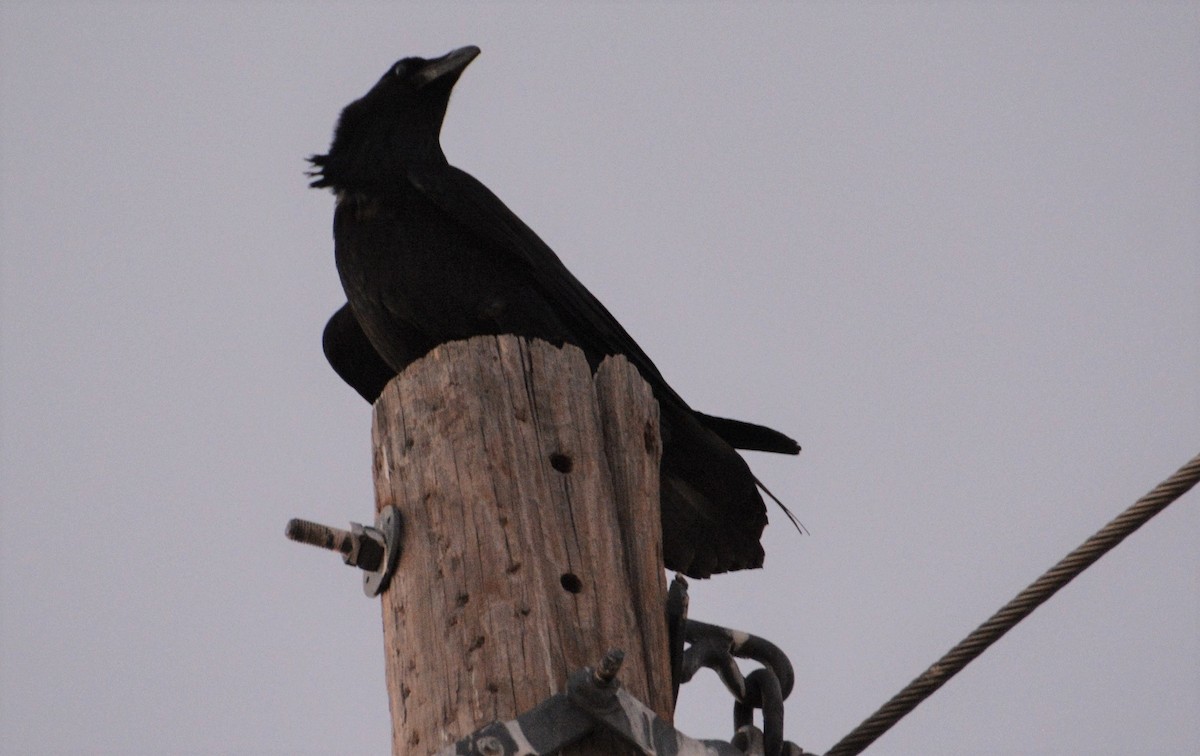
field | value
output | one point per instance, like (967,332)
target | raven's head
(397,122)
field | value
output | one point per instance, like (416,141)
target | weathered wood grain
(529,492)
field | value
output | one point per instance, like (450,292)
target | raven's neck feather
(370,171)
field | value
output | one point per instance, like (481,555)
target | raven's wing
(475,207)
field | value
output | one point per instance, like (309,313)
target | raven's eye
(400,69)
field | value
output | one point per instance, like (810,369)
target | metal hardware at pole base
(595,700)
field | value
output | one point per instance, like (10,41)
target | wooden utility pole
(530,496)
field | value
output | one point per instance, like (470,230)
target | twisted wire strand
(1018,609)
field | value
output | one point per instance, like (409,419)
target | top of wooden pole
(530,494)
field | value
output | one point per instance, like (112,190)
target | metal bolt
(489,746)
(357,549)
(609,666)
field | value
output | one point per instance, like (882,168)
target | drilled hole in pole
(571,582)
(561,462)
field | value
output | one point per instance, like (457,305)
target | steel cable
(1018,609)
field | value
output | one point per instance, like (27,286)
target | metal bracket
(596,701)
(375,550)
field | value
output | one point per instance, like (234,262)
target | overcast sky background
(952,248)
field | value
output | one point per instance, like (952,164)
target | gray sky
(952,248)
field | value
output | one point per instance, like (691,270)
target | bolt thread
(322,536)
(609,666)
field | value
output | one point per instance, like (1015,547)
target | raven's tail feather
(743,435)
(799,526)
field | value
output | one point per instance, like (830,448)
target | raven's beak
(449,65)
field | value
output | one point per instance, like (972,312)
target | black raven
(427,255)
